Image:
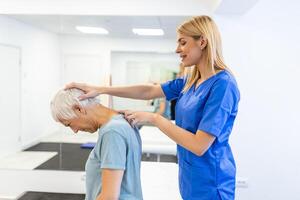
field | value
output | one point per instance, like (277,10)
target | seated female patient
(113,166)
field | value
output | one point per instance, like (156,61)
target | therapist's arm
(143,92)
(111,184)
(197,143)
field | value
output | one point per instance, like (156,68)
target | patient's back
(118,147)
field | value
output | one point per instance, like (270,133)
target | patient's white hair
(64,100)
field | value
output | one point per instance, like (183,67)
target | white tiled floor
(25,159)
(164,174)
(159,181)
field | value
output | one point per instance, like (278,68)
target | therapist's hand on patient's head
(89,90)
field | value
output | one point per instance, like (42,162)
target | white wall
(40,75)
(262,48)
(104,46)
(148,67)
(10,85)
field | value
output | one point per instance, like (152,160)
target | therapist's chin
(187,64)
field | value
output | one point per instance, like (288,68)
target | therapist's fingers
(84,96)
(89,90)
(134,123)
(132,120)
(89,94)
(121,111)
(127,113)
(130,117)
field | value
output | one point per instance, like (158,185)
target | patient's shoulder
(118,125)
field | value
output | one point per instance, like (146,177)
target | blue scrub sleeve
(172,89)
(218,107)
(113,151)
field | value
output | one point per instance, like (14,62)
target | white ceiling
(110,7)
(121,25)
(118,26)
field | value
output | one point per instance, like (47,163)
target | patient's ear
(78,109)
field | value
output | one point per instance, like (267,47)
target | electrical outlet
(241,182)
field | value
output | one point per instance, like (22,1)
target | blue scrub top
(212,108)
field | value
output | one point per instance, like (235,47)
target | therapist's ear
(202,42)
(78,109)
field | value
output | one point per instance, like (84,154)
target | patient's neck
(103,114)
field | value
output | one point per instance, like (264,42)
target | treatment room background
(41,50)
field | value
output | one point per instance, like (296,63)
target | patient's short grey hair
(64,100)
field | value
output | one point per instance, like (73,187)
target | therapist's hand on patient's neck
(138,117)
(89,90)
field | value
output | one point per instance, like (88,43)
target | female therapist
(205,112)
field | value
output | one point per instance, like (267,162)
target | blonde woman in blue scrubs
(207,105)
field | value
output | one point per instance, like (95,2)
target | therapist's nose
(178,50)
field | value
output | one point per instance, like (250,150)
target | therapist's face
(189,50)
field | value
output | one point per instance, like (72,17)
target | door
(10,99)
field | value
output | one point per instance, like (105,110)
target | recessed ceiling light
(92,30)
(148,31)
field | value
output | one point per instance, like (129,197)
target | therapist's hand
(89,90)
(138,117)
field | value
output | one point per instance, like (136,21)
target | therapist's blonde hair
(205,27)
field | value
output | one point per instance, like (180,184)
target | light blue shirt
(212,108)
(118,147)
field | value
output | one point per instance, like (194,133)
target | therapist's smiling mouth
(182,57)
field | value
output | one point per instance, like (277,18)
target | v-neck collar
(196,88)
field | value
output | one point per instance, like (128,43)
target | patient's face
(81,123)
